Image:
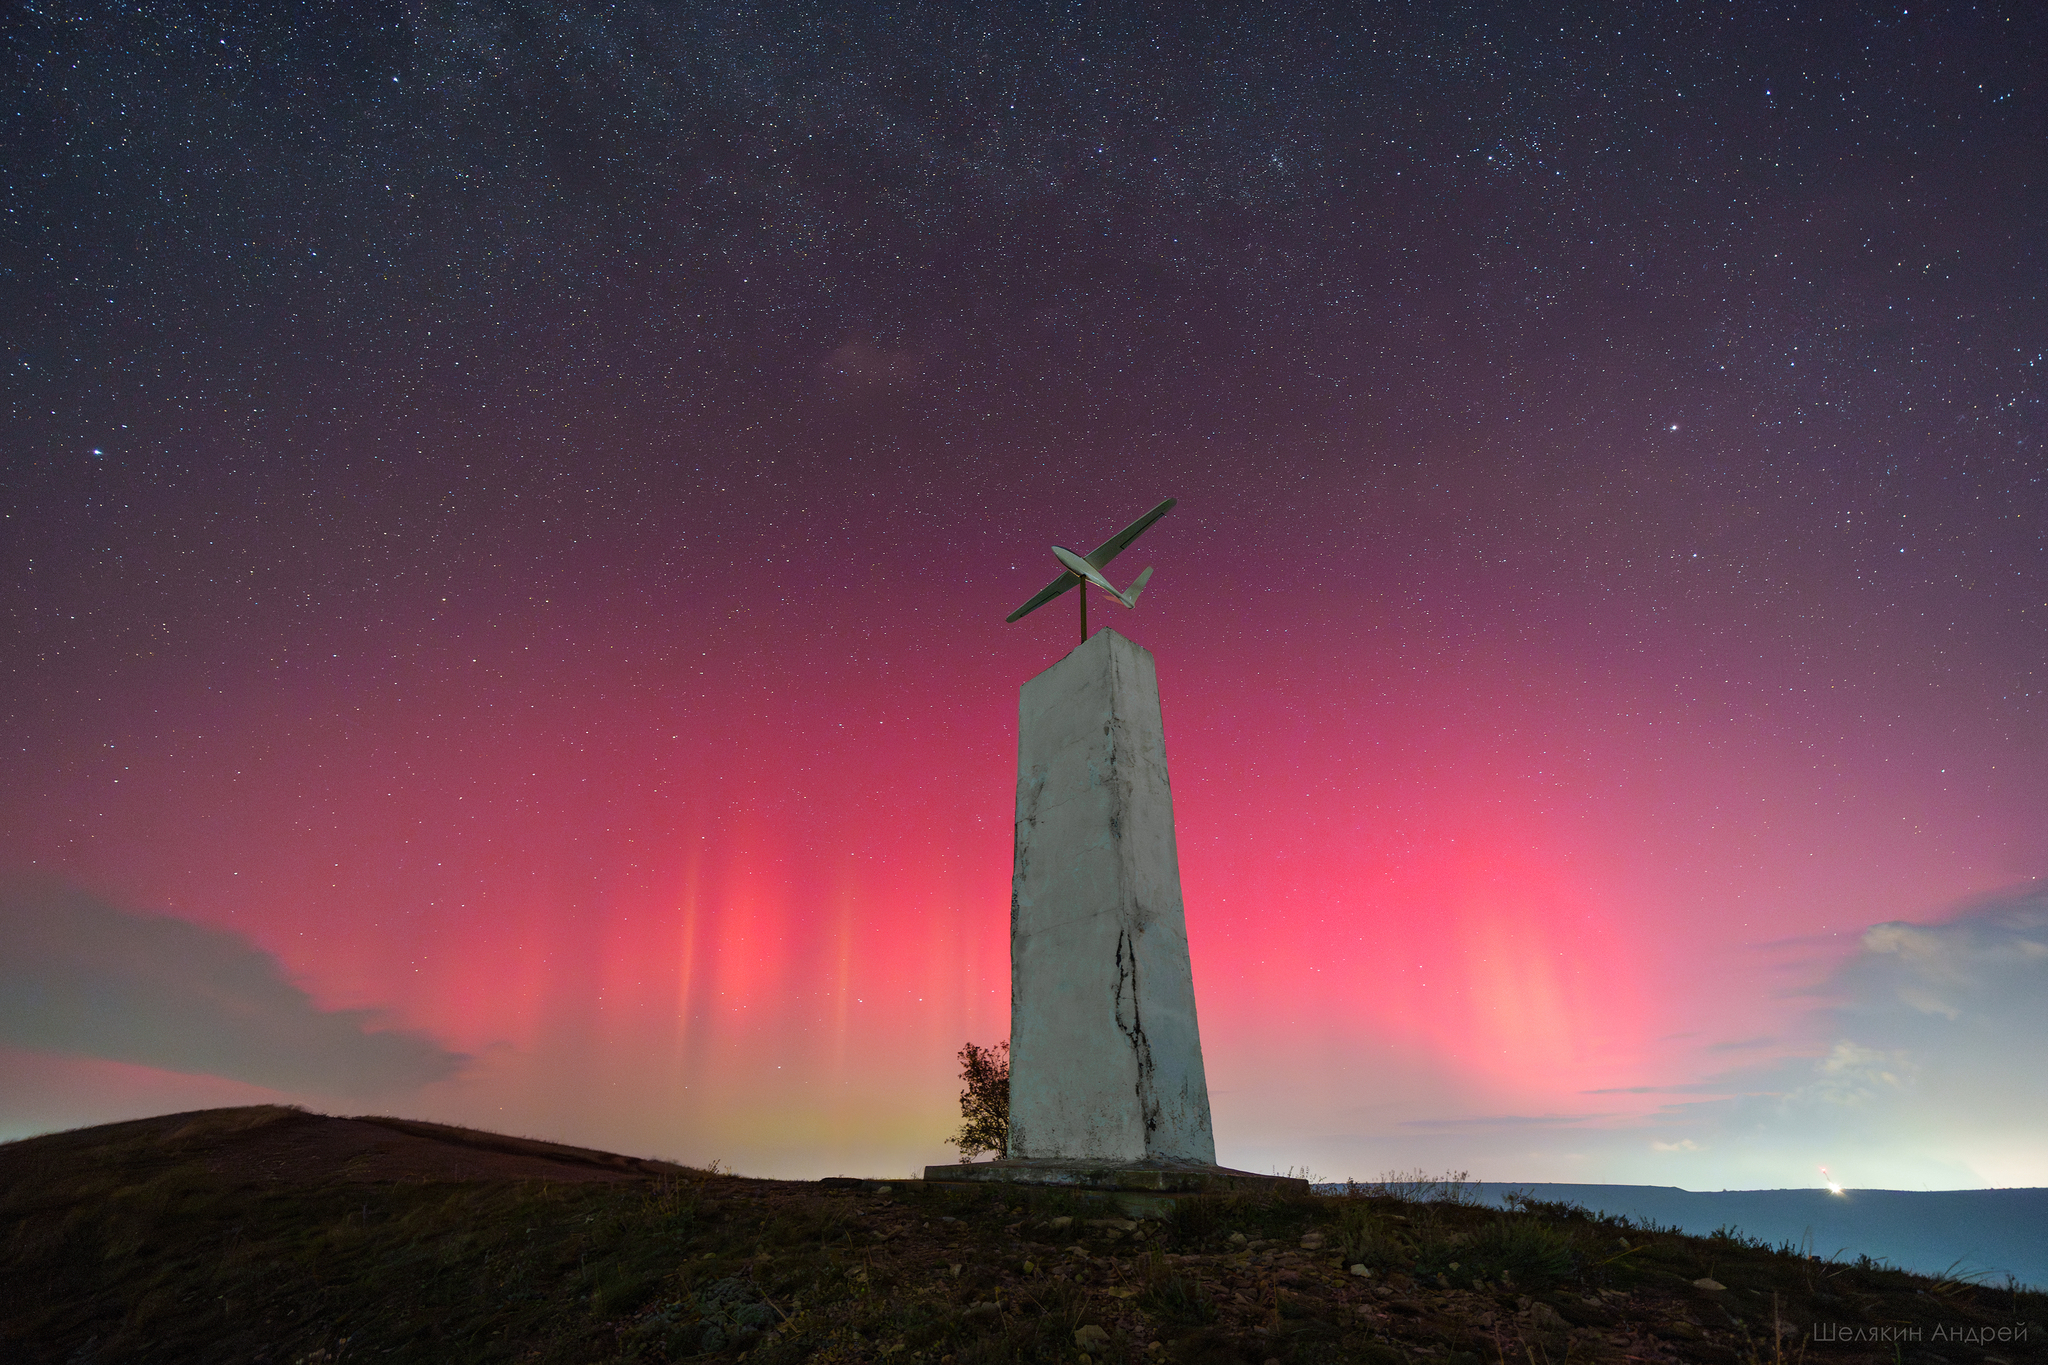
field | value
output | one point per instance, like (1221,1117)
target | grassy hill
(274,1235)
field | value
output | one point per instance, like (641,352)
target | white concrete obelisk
(1105,1057)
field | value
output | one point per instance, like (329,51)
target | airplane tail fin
(1131,593)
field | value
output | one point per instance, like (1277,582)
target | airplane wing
(1045,595)
(1106,551)
(1081,567)
(1114,546)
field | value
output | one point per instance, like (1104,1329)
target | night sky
(509,511)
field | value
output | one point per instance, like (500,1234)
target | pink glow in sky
(504,591)
(746,901)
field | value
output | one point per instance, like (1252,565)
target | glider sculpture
(1081,571)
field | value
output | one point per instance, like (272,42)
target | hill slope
(272,1235)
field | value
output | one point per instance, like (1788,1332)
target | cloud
(1949,1019)
(1926,1065)
(81,976)
(1507,1121)
(1987,967)
(1682,1145)
(1856,1075)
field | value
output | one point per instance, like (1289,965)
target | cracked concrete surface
(1105,1055)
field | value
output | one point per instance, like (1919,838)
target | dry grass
(150,1241)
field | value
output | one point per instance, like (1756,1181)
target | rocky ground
(270,1235)
(1370,1277)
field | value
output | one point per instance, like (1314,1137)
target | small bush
(1529,1253)
(1058,1302)
(1172,1297)
(1363,1239)
(1196,1219)
(984,1100)
(1413,1187)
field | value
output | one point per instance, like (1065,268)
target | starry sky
(509,511)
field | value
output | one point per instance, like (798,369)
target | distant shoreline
(1986,1233)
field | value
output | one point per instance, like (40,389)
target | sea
(1986,1236)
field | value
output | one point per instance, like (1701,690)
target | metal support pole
(1084,611)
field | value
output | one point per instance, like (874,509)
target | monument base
(1147,1189)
